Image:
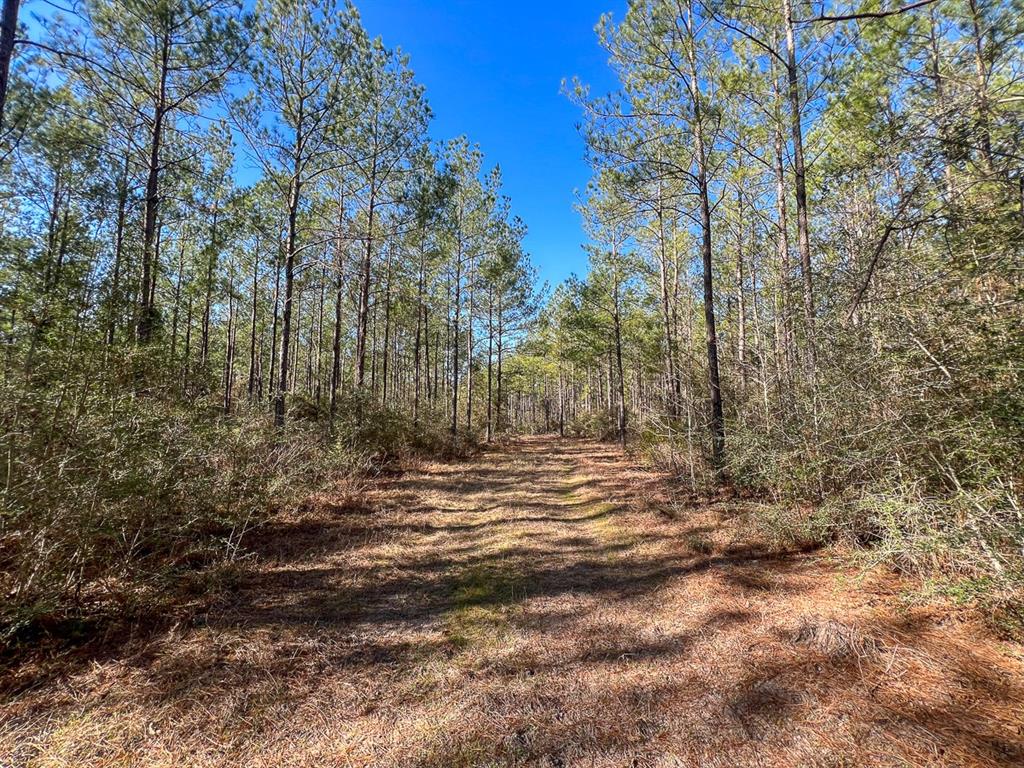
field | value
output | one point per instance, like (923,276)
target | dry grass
(531,607)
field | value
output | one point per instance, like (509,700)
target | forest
(240,271)
(806,247)
(183,347)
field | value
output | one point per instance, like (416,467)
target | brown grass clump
(835,639)
(531,607)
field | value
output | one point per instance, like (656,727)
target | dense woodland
(235,267)
(807,251)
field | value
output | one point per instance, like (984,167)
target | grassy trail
(532,607)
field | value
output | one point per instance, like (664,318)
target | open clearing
(532,606)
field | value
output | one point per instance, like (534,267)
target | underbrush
(118,507)
(967,547)
(385,434)
(936,506)
(598,425)
(115,503)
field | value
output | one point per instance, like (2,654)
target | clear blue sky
(493,71)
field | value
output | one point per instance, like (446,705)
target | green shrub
(598,425)
(965,536)
(109,499)
(379,434)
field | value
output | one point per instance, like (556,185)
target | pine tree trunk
(177,300)
(490,360)
(700,152)
(499,399)
(8,29)
(981,80)
(339,283)
(211,265)
(272,378)
(784,331)
(289,287)
(147,311)
(229,353)
(469,351)
(455,341)
(115,283)
(621,373)
(800,183)
(741,299)
(674,394)
(387,328)
(251,387)
(318,373)
(420,330)
(364,293)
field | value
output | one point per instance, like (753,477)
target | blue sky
(493,71)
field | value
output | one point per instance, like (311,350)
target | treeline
(807,228)
(234,266)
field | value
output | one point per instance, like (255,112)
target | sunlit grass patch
(600,513)
(573,484)
(483,598)
(698,543)
(605,525)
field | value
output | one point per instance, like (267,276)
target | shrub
(976,535)
(599,425)
(110,499)
(379,434)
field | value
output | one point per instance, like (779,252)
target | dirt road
(531,607)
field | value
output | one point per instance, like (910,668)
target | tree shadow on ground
(520,610)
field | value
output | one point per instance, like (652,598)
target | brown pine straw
(532,607)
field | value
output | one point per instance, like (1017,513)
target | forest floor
(538,604)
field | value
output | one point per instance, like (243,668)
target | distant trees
(387,132)
(333,123)
(660,139)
